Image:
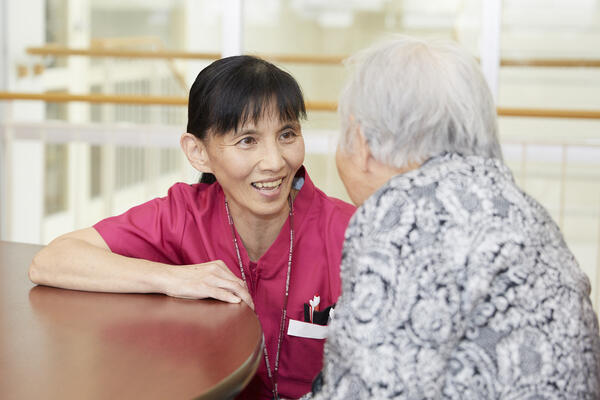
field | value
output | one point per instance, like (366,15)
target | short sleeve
(152,230)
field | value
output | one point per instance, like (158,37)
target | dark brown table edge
(237,380)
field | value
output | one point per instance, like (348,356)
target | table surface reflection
(66,344)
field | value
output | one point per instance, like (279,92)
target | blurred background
(93,94)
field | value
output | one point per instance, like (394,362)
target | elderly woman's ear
(361,149)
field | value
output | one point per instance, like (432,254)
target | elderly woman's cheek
(341,162)
(348,174)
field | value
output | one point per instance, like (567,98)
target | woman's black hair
(234,90)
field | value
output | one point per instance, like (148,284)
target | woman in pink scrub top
(254,228)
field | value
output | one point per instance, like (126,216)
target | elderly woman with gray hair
(456,284)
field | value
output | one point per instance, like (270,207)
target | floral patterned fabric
(458,285)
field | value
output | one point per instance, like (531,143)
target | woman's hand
(212,279)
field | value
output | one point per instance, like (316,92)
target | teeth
(268,185)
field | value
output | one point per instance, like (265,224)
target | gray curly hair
(415,99)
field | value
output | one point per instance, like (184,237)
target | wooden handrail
(548,113)
(55,50)
(130,99)
(97,98)
(551,63)
(170,54)
(310,105)
(119,53)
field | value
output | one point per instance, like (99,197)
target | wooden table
(68,344)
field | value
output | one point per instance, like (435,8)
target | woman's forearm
(76,262)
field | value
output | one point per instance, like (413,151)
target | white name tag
(306,330)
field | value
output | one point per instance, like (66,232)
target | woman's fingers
(211,279)
(219,268)
(223,295)
(235,287)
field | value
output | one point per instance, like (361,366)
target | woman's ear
(195,151)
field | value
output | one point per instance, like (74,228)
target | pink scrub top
(190,226)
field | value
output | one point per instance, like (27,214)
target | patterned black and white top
(458,285)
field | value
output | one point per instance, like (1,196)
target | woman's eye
(288,135)
(247,141)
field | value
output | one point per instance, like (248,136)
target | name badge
(306,330)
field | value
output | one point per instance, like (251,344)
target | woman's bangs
(287,104)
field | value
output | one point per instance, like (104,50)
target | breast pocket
(301,358)
(302,350)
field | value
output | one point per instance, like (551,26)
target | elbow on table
(36,268)
(35,273)
(41,264)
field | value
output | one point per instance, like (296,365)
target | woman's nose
(272,158)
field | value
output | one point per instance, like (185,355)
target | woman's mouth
(268,186)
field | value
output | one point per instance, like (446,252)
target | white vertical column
(23,24)
(78,36)
(491,25)
(4,164)
(232,24)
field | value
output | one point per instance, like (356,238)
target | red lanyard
(272,375)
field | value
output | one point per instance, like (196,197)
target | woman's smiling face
(256,164)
